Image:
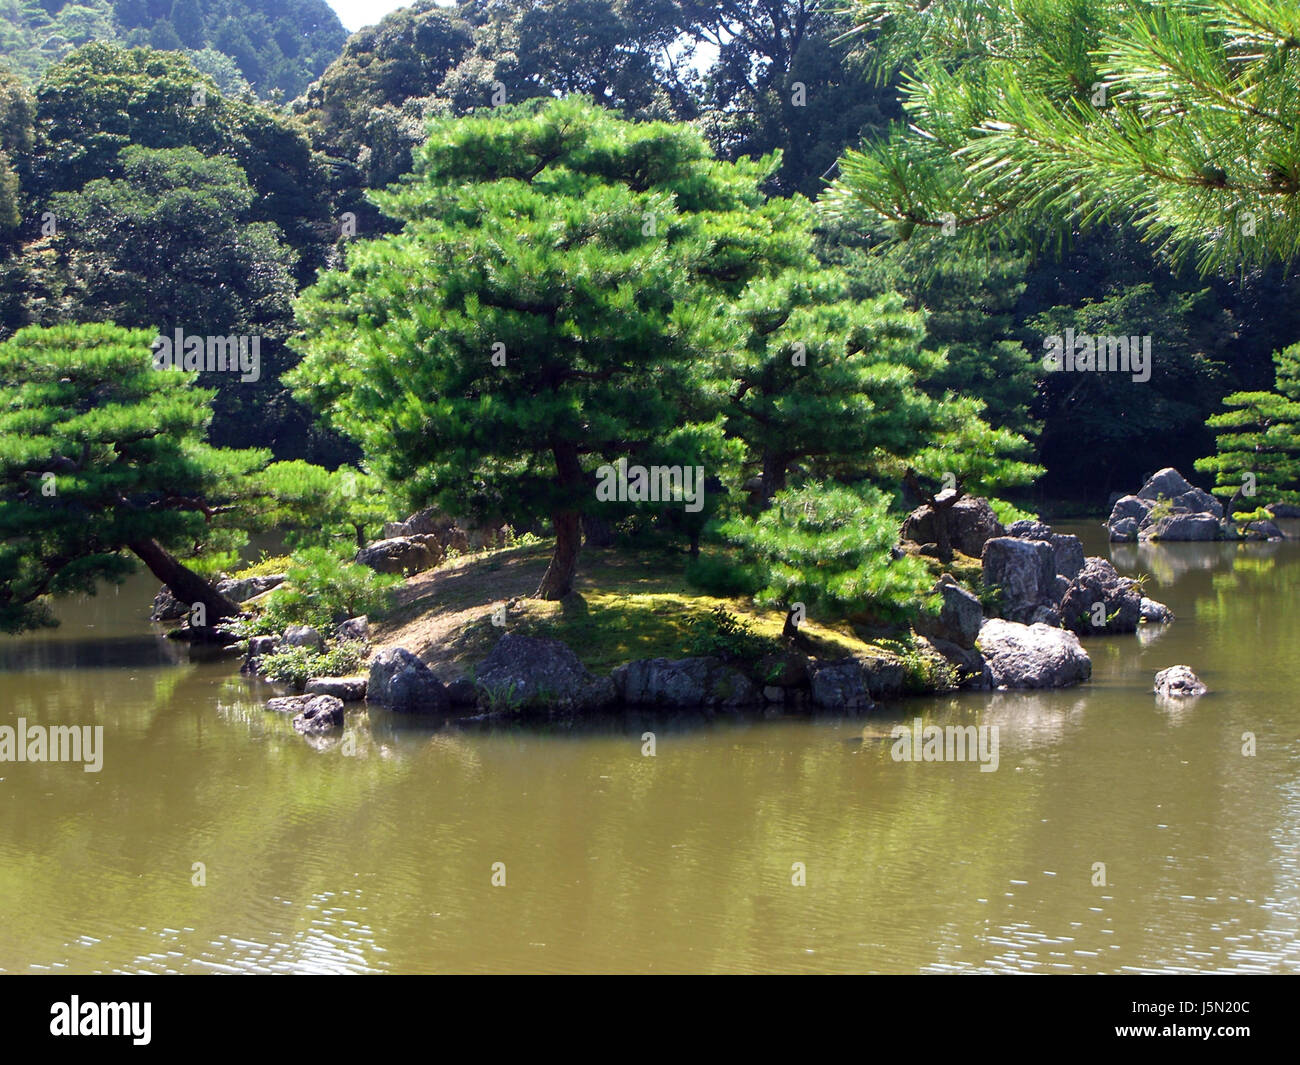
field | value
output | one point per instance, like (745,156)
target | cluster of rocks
(1169,508)
(425,538)
(166,607)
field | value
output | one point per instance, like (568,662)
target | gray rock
(302,636)
(684,683)
(1198,502)
(1283,510)
(347,689)
(322,713)
(1265,530)
(959,618)
(288,704)
(884,677)
(1179,682)
(1060,587)
(242,589)
(1154,613)
(1097,582)
(166,607)
(401,554)
(1130,507)
(774,694)
(840,685)
(971,671)
(404,684)
(262,645)
(526,673)
(1068,553)
(785,669)
(1024,572)
(1032,656)
(1124,530)
(1029,529)
(353,629)
(971,523)
(1168,483)
(1183,527)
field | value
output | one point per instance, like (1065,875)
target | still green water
(383,860)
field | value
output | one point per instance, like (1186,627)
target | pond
(215,839)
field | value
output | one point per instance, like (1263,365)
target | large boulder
(1029,529)
(1262,530)
(1198,502)
(971,524)
(1024,573)
(1179,682)
(959,617)
(401,554)
(1098,583)
(684,683)
(1154,613)
(322,713)
(353,629)
(1179,527)
(242,589)
(1032,656)
(529,673)
(1283,510)
(840,685)
(1131,507)
(404,684)
(1067,550)
(302,636)
(1124,530)
(1168,483)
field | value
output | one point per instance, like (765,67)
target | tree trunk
(186,585)
(773,476)
(557,581)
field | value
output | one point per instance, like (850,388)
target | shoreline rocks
(1032,656)
(1179,682)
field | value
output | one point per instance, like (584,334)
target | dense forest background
(127,195)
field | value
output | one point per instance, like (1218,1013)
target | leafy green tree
(546,307)
(1258,442)
(1034,119)
(102,457)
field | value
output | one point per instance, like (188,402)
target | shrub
(723,635)
(297,665)
(722,576)
(320,590)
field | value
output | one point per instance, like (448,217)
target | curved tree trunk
(186,585)
(774,474)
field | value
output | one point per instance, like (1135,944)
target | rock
(1067,550)
(401,554)
(528,673)
(1060,586)
(684,683)
(1181,527)
(1029,529)
(1154,613)
(959,618)
(884,677)
(1024,571)
(1168,483)
(462,692)
(1032,656)
(840,685)
(353,629)
(774,694)
(404,684)
(321,714)
(1130,507)
(1098,582)
(971,671)
(288,704)
(1179,682)
(1124,530)
(262,645)
(971,523)
(166,607)
(1198,502)
(1283,510)
(242,589)
(302,636)
(1265,530)
(1045,614)
(346,689)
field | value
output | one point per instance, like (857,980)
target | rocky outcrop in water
(322,713)
(1099,600)
(525,672)
(399,681)
(684,682)
(1032,656)
(1179,682)
(348,689)
(1023,574)
(1167,507)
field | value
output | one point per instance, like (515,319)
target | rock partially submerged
(322,713)
(348,689)
(1153,613)
(684,683)
(527,673)
(1099,600)
(1032,656)
(401,682)
(1179,682)
(1167,508)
